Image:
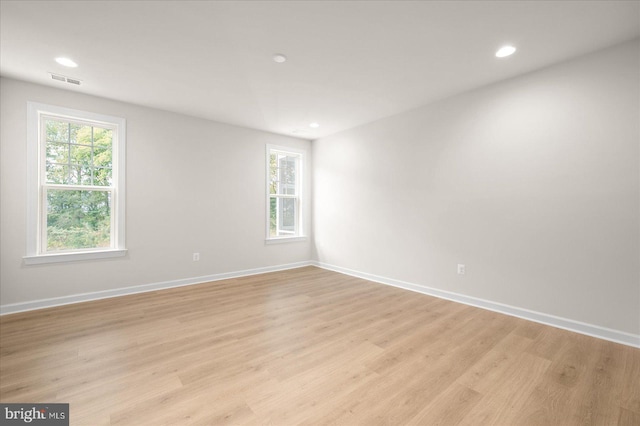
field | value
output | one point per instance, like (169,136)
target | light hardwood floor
(309,346)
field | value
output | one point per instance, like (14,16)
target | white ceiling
(350,62)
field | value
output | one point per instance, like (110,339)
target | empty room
(319,212)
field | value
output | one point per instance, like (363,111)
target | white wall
(192,186)
(533,183)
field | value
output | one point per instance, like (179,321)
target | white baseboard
(554,321)
(539,317)
(85,297)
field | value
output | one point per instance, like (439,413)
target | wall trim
(106,294)
(539,317)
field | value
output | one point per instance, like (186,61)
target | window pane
(288,170)
(287,215)
(78,219)
(102,177)
(57,173)
(81,154)
(102,136)
(80,134)
(273,174)
(102,147)
(282,215)
(273,217)
(57,131)
(57,152)
(287,175)
(80,174)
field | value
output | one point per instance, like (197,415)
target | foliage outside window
(283,193)
(80,182)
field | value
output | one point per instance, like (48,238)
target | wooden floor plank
(449,408)
(503,404)
(310,346)
(630,398)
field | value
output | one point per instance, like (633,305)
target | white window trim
(34,226)
(279,240)
(301,236)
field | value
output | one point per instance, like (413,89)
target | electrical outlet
(461,269)
(196,257)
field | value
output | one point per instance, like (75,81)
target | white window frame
(36,214)
(299,234)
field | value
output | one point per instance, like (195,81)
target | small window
(284,182)
(76,185)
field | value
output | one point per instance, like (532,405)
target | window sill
(280,240)
(73,257)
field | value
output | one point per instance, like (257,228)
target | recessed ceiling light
(279,58)
(66,62)
(505,51)
(314,125)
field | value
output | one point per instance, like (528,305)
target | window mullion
(77,187)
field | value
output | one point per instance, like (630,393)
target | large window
(76,185)
(284,183)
